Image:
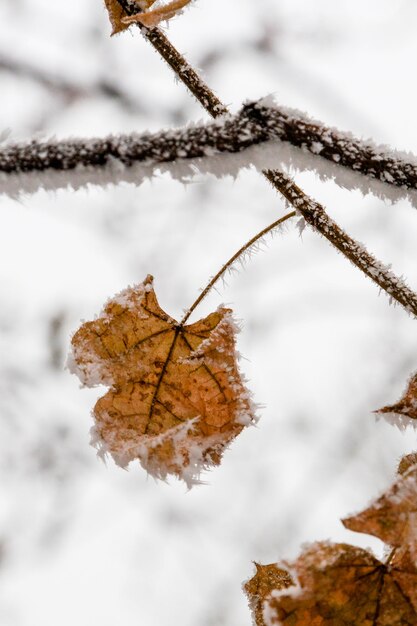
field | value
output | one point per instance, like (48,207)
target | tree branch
(177,63)
(315,215)
(254,124)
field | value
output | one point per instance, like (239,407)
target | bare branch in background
(71,90)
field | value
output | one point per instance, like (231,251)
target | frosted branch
(315,215)
(265,136)
(180,66)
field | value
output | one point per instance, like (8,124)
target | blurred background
(84,543)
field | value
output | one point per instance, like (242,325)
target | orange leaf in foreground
(342,585)
(176,398)
(393,516)
(407,406)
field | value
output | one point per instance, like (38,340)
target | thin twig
(232,260)
(178,64)
(315,215)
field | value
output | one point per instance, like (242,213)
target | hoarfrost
(402,422)
(189,456)
(259,135)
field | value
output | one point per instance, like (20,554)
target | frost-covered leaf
(176,397)
(393,516)
(146,16)
(153,17)
(258,588)
(407,405)
(342,585)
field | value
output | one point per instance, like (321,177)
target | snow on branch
(315,215)
(261,134)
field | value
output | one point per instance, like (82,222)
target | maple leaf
(339,584)
(407,405)
(393,516)
(176,398)
(343,585)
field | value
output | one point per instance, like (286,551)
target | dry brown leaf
(342,585)
(176,398)
(146,16)
(259,587)
(407,405)
(116,13)
(152,18)
(393,516)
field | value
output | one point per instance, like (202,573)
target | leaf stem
(232,260)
